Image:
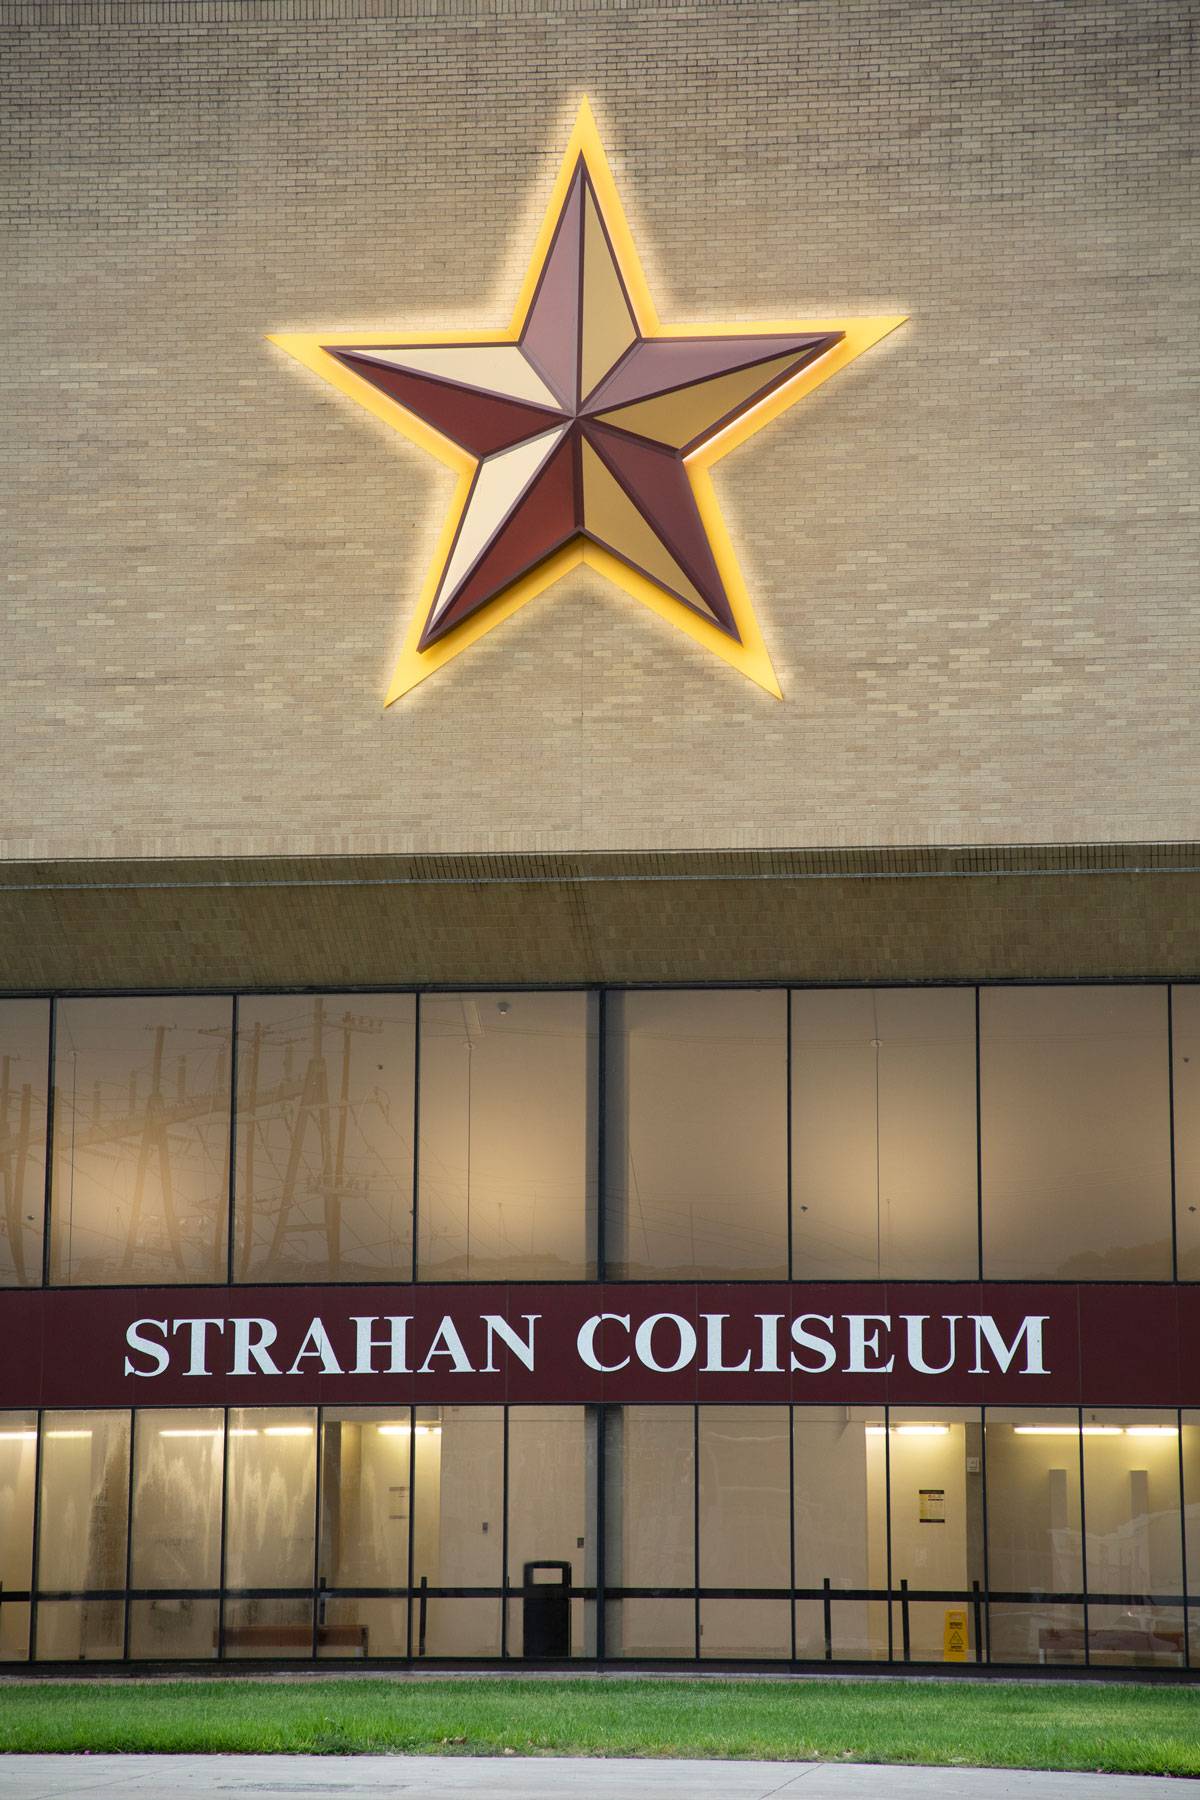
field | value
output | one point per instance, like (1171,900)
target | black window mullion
(35,1547)
(231,1193)
(1083,1574)
(129,1533)
(987,1566)
(1171,1125)
(224,1533)
(791,1264)
(504,1537)
(600,1416)
(48,1182)
(887,1522)
(317,1501)
(978,1138)
(601,1103)
(696,1521)
(1183,1566)
(791,1484)
(413,1267)
(412,1525)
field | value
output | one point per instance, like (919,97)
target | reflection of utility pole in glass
(14,1162)
(306,1108)
(155,1139)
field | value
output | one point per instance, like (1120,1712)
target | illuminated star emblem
(585,432)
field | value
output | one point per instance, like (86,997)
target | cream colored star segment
(492,368)
(585,432)
(500,481)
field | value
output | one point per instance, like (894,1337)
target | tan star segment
(584,433)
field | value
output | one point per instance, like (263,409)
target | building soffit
(901,914)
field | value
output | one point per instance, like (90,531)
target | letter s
(135,1340)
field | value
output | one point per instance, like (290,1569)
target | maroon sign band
(951,1343)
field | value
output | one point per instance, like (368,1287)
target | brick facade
(974,553)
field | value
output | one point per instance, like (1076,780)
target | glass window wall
(745,1530)
(1132,1544)
(1069,1122)
(507,1152)
(1190,1467)
(917,1534)
(696,1148)
(175,1542)
(141,1140)
(325,1137)
(18,1461)
(650,1463)
(884,1176)
(270,1529)
(1034,1535)
(1075,1133)
(935,1487)
(458,1530)
(366,1496)
(1185,1032)
(24,1056)
(84,1517)
(551,1521)
(840,1504)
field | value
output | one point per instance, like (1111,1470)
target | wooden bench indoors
(1061,1641)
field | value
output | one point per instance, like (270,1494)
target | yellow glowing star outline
(749,656)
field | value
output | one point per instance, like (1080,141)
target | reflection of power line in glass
(140,1156)
(301,1176)
(20,1139)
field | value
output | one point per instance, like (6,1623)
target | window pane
(1076,1133)
(271,1499)
(84,1502)
(325,1137)
(883,1134)
(507,1137)
(357,1627)
(269,1628)
(744,1528)
(551,1480)
(458,1527)
(80,1630)
(1191,1521)
(936,1513)
(141,1140)
(163,1629)
(1034,1534)
(841,1528)
(177,1457)
(1134,1538)
(1131,1502)
(24,1049)
(696,1095)
(752,1627)
(365,1498)
(650,1524)
(1185,1011)
(18,1459)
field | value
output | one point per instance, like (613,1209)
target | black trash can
(546,1611)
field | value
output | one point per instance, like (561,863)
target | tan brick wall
(974,554)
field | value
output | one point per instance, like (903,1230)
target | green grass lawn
(1140,1729)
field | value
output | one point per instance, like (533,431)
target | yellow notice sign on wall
(954,1636)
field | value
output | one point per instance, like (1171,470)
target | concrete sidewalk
(543,1778)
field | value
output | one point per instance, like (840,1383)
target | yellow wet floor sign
(954,1637)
